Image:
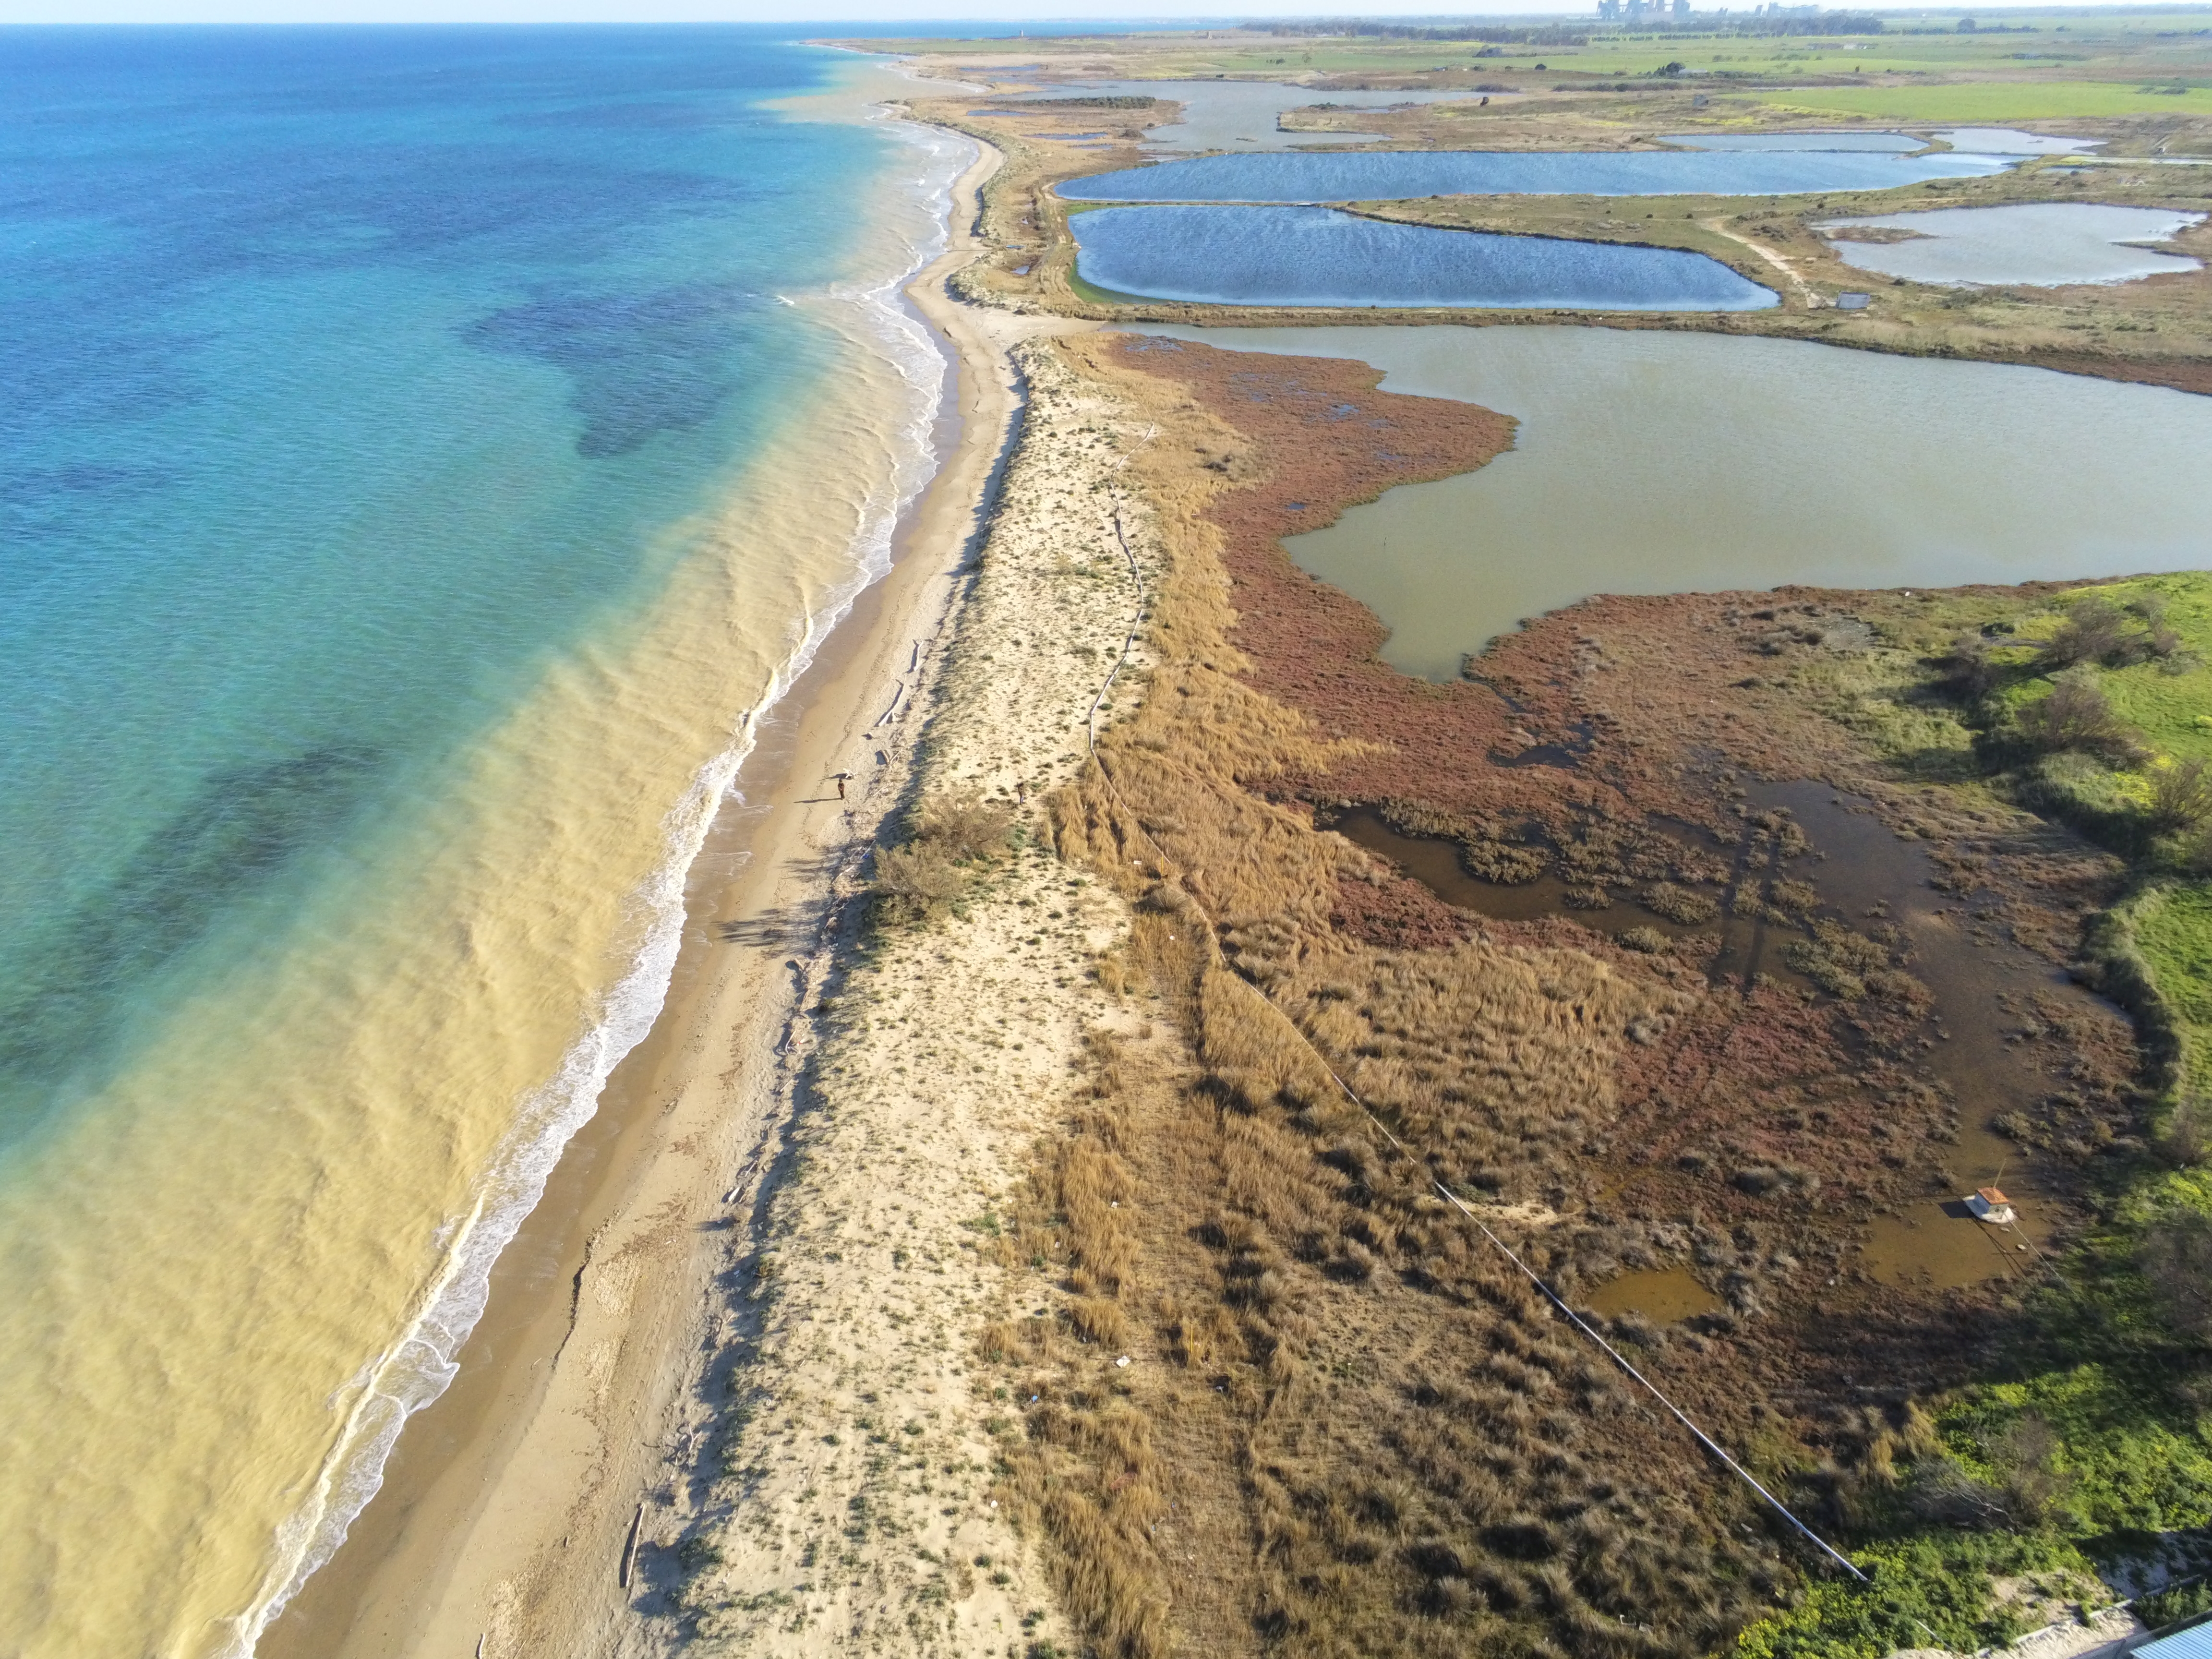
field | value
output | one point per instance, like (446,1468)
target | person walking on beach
(840,777)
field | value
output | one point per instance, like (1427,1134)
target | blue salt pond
(1309,256)
(1371,175)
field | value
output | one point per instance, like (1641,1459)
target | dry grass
(1390,1444)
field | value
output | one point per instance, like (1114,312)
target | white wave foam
(420,1364)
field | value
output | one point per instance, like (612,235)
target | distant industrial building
(1658,11)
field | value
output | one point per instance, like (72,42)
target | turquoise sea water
(1310,256)
(350,374)
(419,448)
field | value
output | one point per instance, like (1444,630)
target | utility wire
(1580,1324)
(1399,1146)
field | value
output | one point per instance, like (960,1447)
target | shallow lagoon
(1242,114)
(1651,462)
(1371,175)
(2009,141)
(2036,244)
(1309,256)
(1896,143)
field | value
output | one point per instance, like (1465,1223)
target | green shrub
(2171,1605)
(2077,718)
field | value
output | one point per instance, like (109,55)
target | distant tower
(1681,10)
(1608,11)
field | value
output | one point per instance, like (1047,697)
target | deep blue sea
(1311,256)
(418,448)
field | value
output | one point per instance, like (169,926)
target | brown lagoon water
(1651,462)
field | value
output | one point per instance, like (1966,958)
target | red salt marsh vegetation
(1786,998)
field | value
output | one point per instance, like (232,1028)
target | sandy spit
(539,1508)
(840,1494)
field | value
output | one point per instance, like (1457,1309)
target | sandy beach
(508,1509)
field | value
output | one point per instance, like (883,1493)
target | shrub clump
(2077,717)
(1505,862)
(1650,940)
(964,825)
(954,835)
(2171,1606)
(2097,631)
(2176,1258)
(2180,796)
(1685,905)
(1968,673)
(1841,963)
(1769,1179)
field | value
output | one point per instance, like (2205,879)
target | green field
(2040,100)
(2124,52)
(2172,709)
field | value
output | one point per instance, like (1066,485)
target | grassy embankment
(2159,328)
(2091,1449)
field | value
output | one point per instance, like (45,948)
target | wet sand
(509,1504)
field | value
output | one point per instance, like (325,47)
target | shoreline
(531,1466)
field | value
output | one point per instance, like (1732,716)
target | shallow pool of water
(1746,945)
(1368,175)
(1650,462)
(2037,243)
(1310,256)
(1241,115)
(1934,1243)
(1665,1294)
(2010,141)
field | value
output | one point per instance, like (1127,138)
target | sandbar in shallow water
(1895,144)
